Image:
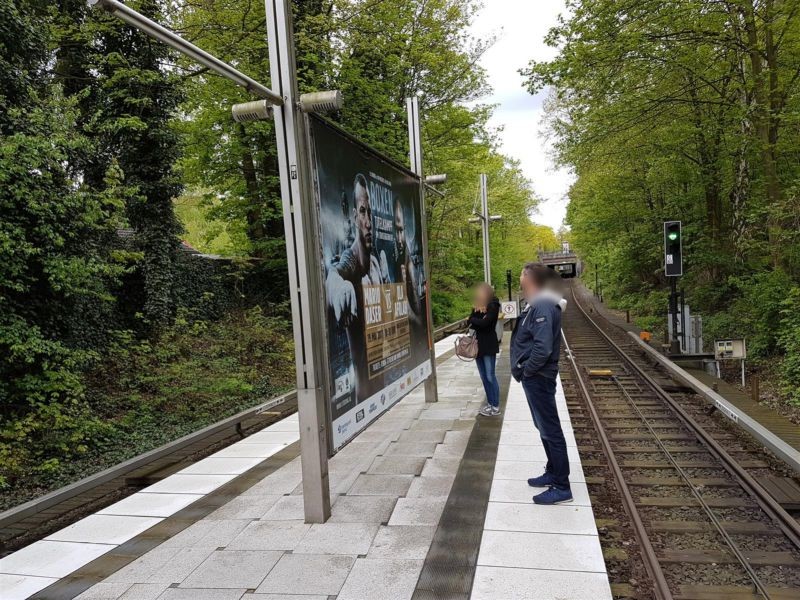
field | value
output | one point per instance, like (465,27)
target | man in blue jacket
(535,347)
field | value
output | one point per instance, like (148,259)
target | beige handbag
(467,346)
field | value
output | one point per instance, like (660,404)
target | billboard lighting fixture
(257,110)
(321,102)
(436,179)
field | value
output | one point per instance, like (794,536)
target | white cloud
(521,26)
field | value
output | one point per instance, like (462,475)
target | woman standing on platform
(484,321)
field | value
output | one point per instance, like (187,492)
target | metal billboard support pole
(415,155)
(302,251)
(487,265)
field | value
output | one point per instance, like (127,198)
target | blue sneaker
(553,495)
(545,480)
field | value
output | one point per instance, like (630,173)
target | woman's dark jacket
(484,326)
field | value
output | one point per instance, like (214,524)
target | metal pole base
(314,455)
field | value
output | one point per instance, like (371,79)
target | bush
(755,314)
(789,342)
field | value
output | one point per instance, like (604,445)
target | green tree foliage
(55,257)
(682,110)
(378,54)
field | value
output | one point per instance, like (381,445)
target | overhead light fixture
(321,102)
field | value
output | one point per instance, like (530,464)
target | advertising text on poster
(375,279)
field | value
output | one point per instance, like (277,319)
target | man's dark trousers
(541,394)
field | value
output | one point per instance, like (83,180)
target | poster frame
(318,247)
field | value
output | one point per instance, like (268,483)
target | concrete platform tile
(207,534)
(409,542)
(144,591)
(562,518)
(104,529)
(288,508)
(245,449)
(142,568)
(144,504)
(244,507)
(542,551)
(418,511)
(232,569)
(337,538)
(450,451)
(527,453)
(124,591)
(270,535)
(180,566)
(381,578)
(394,465)
(518,490)
(51,559)
(258,596)
(381,485)
(182,483)
(513,469)
(436,436)
(214,465)
(290,424)
(492,583)
(532,438)
(362,509)
(271,436)
(19,587)
(424,449)
(192,594)
(307,574)
(457,437)
(106,591)
(427,486)
(432,425)
(280,482)
(438,467)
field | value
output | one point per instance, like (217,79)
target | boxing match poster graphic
(375,279)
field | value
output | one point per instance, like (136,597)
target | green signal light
(673,236)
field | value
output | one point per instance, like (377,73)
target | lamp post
(485,220)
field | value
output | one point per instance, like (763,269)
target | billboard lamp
(257,110)
(436,179)
(321,102)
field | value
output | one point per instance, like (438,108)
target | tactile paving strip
(449,567)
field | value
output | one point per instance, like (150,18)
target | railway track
(685,519)
(39,518)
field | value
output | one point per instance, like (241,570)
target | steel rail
(737,552)
(651,563)
(789,526)
(37,505)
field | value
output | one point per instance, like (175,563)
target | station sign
(730,349)
(375,279)
(509,309)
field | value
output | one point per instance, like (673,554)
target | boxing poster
(375,279)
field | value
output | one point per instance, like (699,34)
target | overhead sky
(520,27)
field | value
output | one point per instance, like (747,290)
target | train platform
(431,501)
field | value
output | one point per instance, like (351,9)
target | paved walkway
(537,552)
(231,526)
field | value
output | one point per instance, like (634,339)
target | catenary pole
(415,155)
(487,264)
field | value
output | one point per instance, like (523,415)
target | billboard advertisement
(375,279)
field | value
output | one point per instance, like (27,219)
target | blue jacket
(536,341)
